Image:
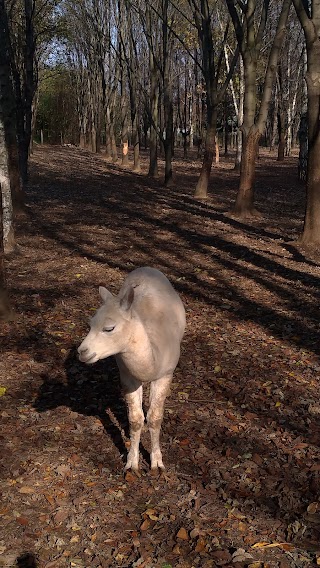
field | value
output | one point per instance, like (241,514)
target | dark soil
(241,432)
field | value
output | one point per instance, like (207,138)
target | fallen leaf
(201,545)
(2,391)
(26,490)
(313,507)
(22,521)
(61,516)
(283,545)
(50,499)
(145,525)
(151,514)
(240,555)
(182,534)
(131,477)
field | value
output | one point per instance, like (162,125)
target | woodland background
(112,114)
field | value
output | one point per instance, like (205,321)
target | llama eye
(108,329)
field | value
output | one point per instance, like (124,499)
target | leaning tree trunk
(244,205)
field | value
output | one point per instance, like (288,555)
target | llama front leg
(136,421)
(159,390)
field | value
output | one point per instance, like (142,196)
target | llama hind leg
(159,390)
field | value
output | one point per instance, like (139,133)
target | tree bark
(249,41)
(310,21)
(201,191)
(4,190)
(111,145)
(154,101)
(203,23)
(244,205)
(281,135)
(311,230)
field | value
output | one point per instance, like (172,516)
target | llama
(143,327)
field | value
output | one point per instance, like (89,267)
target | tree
(309,16)
(157,21)
(57,119)
(212,57)
(249,28)
(6,146)
(13,195)
(5,310)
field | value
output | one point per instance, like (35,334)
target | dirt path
(241,431)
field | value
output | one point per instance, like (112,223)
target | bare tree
(249,27)
(212,60)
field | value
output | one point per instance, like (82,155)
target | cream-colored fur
(143,327)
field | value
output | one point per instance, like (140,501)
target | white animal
(143,327)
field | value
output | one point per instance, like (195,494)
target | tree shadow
(90,390)
(27,560)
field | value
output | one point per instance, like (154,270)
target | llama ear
(104,293)
(126,301)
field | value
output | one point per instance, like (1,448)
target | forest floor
(241,433)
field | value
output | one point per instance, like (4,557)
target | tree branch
(263,21)
(272,63)
(303,16)
(237,23)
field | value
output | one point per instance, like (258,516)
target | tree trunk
(254,126)
(303,148)
(244,205)
(108,143)
(124,127)
(111,146)
(34,119)
(168,141)
(237,163)
(5,310)
(154,101)
(201,191)
(311,230)
(281,135)
(4,190)
(136,144)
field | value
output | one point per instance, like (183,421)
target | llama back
(156,303)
